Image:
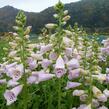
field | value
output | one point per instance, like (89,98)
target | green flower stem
(91,85)
(59,38)
(94,62)
(24,67)
(49,96)
(59,94)
(85,54)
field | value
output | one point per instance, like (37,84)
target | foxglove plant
(15,68)
(60,71)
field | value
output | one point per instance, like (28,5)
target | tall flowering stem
(22,32)
(59,8)
(94,62)
(57,41)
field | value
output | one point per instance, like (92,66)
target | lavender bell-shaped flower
(78,92)
(65,58)
(32,63)
(3,81)
(98,94)
(67,41)
(12,83)
(37,56)
(38,77)
(107,75)
(106,92)
(11,95)
(60,67)
(45,63)
(102,107)
(84,106)
(105,50)
(10,65)
(105,42)
(72,85)
(32,79)
(45,48)
(68,52)
(73,64)
(73,74)
(43,77)
(53,56)
(15,72)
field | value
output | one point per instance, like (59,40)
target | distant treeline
(93,15)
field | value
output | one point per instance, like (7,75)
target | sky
(32,5)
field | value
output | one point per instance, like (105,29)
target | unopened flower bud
(27,36)
(65,12)
(56,16)
(69,33)
(66,18)
(64,23)
(50,25)
(27,31)
(19,22)
(6,49)
(16,28)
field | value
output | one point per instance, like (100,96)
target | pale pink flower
(95,102)
(10,65)
(67,41)
(12,83)
(101,98)
(103,107)
(83,97)
(74,74)
(3,81)
(32,79)
(72,85)
(73,64)
(60,67)
(76,54)
(39,76)
(107,75)
(106,92)
(53,56)
(11,95)
(74,108)
(96,91)
(37,56)
(45,63)
(78,92)
(32,63)
(32,46)
(98,94)
(100,77)
(45,48)
(66,59)
(107,78)
(106,42)
(68,52)
(12,54)
(107,70)
(43,77)
(84,106)
(15,72)
(105,50)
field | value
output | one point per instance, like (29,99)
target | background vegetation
(91,14)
